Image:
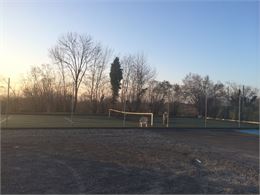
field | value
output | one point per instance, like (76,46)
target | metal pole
(242,104)
(1,112)
(124,102)
(72,107)
(151,120)
(228,103)
(125,90)
(0,115)
(239,100)
(7,106)
(168,110)
(124,111)
(259,114)
(206,109)
(173,111)
(0,130)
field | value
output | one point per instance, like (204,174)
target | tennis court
(91,121)
(50,121)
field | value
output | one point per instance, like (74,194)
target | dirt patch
(128,161)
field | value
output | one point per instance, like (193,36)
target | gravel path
(128,161)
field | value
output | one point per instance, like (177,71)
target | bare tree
(158,94)
(136,77)
(141,75)
(65,85)
(249,103)
(40,87)
(194,90)
(102,79)
(127,66)
(74,52)
(96,72)
(96,79)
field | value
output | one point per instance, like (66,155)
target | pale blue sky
(215,38)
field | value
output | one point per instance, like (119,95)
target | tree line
(85,78)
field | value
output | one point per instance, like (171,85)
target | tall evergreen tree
(116,75)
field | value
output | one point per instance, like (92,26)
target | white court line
(68,119)
(75,174)
(5,119)
(249,122)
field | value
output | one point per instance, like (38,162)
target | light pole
(1,110)
(7,105)
(0,115)
(72,105)
(124,88)
(124,110)
(168,110)
(239,100)
(206,108)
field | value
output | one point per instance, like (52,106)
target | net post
(151,120)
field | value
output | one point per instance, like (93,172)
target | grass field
(64,121)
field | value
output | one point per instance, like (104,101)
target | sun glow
(17,58)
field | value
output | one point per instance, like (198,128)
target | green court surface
(89,121)
(49,121)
